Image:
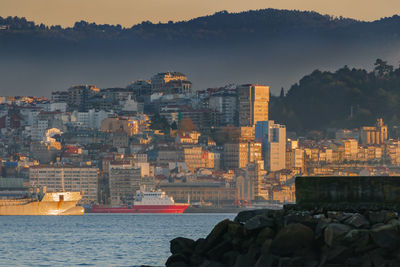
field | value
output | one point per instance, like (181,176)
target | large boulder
(283,243)
(181,245)
(358,238)
(177,260)
(335,255)
(217,233)
(245,215)
(266,233)
(386,236)
(219,250)
(335,232)
(258,222)
(358,221)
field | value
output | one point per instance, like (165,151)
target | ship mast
(62,179)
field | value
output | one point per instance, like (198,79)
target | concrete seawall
(357,191)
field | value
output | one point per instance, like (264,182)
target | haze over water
(97,240)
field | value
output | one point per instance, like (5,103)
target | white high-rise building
(273,138)
(91,118)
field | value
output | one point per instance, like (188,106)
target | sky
(131,12)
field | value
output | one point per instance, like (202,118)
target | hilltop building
(171,82)
(374,135)
(78,96)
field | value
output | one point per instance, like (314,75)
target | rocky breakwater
(292,237)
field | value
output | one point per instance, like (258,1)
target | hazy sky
(130,12)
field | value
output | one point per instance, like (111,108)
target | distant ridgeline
(255,24)
(348,193)
(266,46)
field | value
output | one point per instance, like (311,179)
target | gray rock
(267,261)
(385,236)
(283,243)
(229,258)
(244,216)
(339,216)
(235,229)
(208,263)
(335,232)
(244,260)
(216,234)
(336,255)
(394,222)
(357,238)
(375,217)
(377,257)
(200,246)
(259,221)
(196,260)
(254,252)
(285,262)
(266,246)
(177,260)
(353,262)
(216,252)
(266,233)
(181,245)
(298,217)
(177,264)
(301,261)
(366,261)
(357,220)
(247,243)
(321,225)
(377,225)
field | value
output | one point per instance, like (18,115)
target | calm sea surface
(96,239)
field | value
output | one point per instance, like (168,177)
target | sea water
(97,239)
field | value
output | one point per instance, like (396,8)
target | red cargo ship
(145,202)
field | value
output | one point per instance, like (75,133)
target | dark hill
(269,46)
(346,98)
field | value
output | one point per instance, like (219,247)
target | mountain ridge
(269,46)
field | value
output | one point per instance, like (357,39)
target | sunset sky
(130,12)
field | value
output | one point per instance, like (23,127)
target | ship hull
(177,208)
(52,204)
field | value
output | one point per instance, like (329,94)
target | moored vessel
(145,202)
(53,203)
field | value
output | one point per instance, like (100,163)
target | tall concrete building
(273,138)
(68,178)
(78,96)
(223,106)
(124,180)
(252,104)
(238,154)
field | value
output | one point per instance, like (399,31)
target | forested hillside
(348,97)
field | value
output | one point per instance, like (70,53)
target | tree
(382,69)
(282,95)
(186,125)
(159,123)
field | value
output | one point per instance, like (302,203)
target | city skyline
(128,13)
